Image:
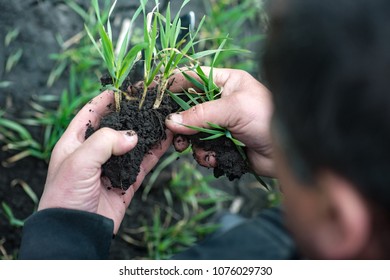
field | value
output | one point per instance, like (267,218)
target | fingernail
(176,117)
(130,135)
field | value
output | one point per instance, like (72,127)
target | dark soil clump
(229,160)
(148,123)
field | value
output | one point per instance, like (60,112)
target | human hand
(245,109)
(74,177)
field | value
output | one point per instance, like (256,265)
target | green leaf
(95,5)
(211,52)
(23,132)
(191,43)
(122,50)
(215,136)
(11,218)
(213,125)
(189,95)
(93,41)
(237,142)
(194,81)
(204,214)
(5,84)
(184,105)
(129,61)
(77,8)
(201,129)
(108,51)
(220,48)
(109,31)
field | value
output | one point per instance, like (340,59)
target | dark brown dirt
(229,160)
(148,123)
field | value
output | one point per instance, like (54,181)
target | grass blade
(128,62)
(184,105)
(202,129)
(108,50)
(215,136)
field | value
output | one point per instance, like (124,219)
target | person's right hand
(245,109)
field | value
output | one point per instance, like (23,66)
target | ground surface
(39,23)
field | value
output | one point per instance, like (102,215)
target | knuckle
(199,112)
(106,135)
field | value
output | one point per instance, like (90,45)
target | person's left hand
(74,176)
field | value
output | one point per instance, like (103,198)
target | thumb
(104,143)
(220,112)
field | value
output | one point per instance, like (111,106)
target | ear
(344,230)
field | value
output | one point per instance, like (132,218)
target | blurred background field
(49,69)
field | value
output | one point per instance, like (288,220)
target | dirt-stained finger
(205,158)
(181,142)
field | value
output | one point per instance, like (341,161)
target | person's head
(327,64)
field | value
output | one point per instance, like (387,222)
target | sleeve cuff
(59,233)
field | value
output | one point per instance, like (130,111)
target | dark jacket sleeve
(66,234)
(264,237)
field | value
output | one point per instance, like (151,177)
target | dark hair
(327,64)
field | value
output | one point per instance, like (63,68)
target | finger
(101,145)
(74,135)
(90,115)
(205,158)
(220,112)
(180,142)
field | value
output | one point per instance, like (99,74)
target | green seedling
(13,59)
(27,190)
(11,36)
(5,84)
(182,219)
(10,216)
(207,89)
(55,121)
(157,171)
(118,64)
(161,60)
(232,17)
(195,189)
(77,50)
(163,241)
(8,210)
(215,132)
(16,137)
(164,60)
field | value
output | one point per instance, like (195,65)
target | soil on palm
(148,123)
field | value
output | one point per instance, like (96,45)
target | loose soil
(148,123)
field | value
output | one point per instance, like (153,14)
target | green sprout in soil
(8,212)
(118,64)
(164,50)
(165,61)
(15,56)
(16,137)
